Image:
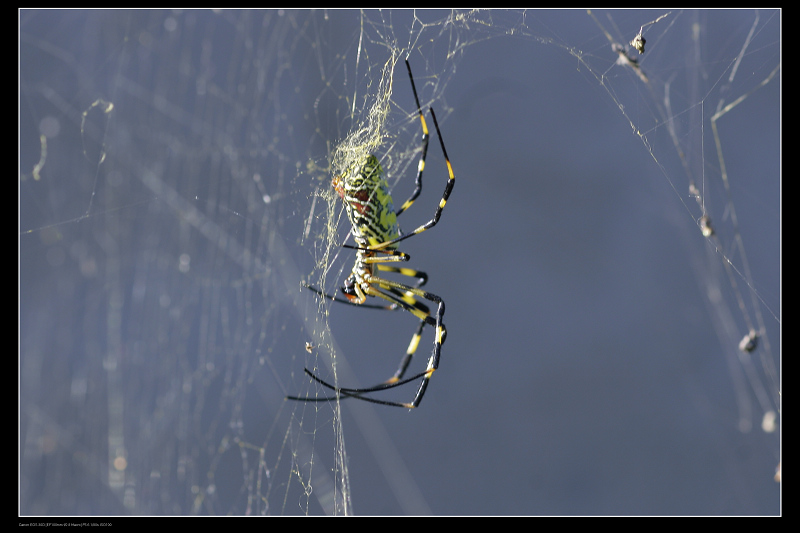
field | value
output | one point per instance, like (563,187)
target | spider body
(370,210)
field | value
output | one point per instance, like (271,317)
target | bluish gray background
(582,374)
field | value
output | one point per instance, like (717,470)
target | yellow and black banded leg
(409,355)
(425,137)
(423,313)
(422,277)
(396,381)
(448,188)
(433,362)
(391,255)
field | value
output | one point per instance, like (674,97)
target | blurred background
(175,196)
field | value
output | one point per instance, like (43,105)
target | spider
(370,208)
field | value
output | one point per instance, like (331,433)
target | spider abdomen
(368,203)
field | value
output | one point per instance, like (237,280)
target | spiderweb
(609,258)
